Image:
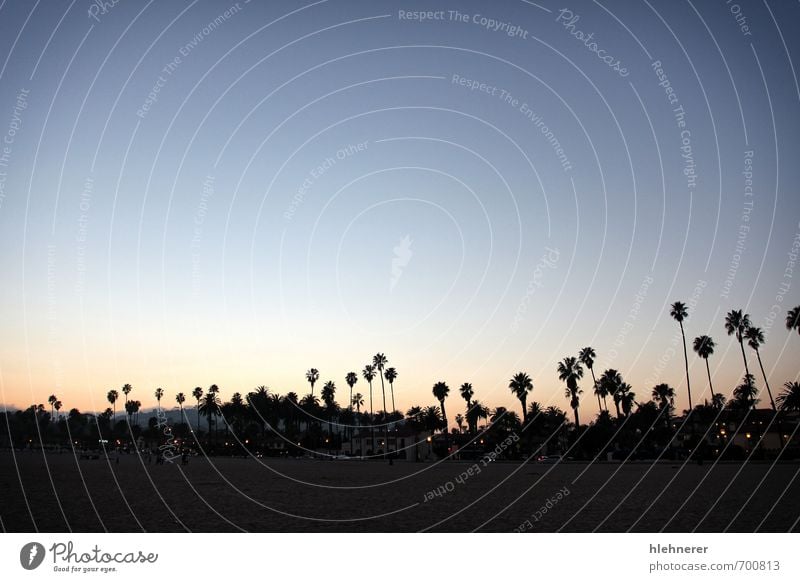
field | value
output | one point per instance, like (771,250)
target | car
(548,459)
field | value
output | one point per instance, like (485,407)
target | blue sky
(246,225)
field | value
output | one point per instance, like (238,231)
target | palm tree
(737,323)
(369,376)
(611,380)
(357,401)
(460,422)
(312,376)
(210,408)
(627,398)
(664,395)
(329,398)
(679,312)
(789,398)
(755,339)
(793,319)
(379,361)
(180,398)
(570,371)
(52,400)
(440,392)
(586,357)
(520,384)
(126,389)
(475,412)
(391,375)
(467,393)
(704,346)
(746,392)
(159,394)
(198,394)
(112,400)
(57,405)
(351,380)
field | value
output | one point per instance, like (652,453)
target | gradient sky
(243,228)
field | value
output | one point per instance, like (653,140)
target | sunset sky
(198,192)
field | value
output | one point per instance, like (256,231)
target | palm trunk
(371,419)
(766,382)
(444,415)
(686,364)
(385,419)
(391,389)
(744,357)
(577,420)
(523,401)
(594,385)
(710,385)
(605,403)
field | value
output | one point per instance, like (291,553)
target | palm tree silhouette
(664,394)
(755,339)
(737,323)
(312,376)
(746,392)
(789,398)
(126,389)
(704,347)
(351,380)
(475,412)
(611,380)
(112,399)
(678,312)
(570,371)
(587,356)
(358,401)
(793,319)
(198,394)
(210,408)
(52,400)
(460,422)
(440,392)
(391,375)
(159,394)
(627,398)
(57,405)
(329,398)
(520,384)
(467,393)
(379,361)
(369,376)
(180,398)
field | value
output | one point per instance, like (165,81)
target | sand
(61,493)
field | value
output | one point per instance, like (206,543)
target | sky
(208,192)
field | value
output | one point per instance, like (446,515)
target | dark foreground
(286,495)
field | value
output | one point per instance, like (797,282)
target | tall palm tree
(180,398)
(312,375)
(351,380)
(391,375)
(460,422)
(755,339)
(379,361)
(467,393)
(440,392)
(679,312)
(198,394)
(210,408)
(159,394)
(329,398)
(112,397)
(789,398)
(52,400)
(737,323)
(587,356)
(793,319)
(126,389)
(520,384)
(611,380)
(369,376)
(704,347)
(626,398)
(358,401)
(57,405)
(664,395)
(570,371)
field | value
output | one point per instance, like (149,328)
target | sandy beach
(61,493)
